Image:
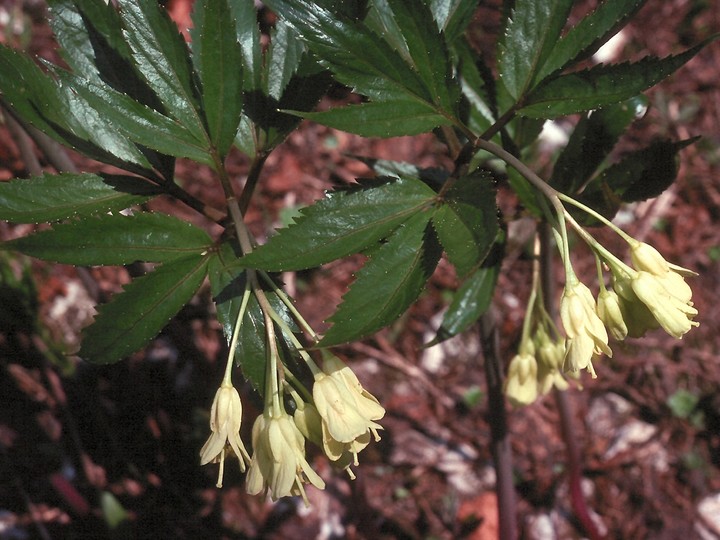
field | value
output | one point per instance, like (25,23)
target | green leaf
(92,43)
(136,315)
(601,85)
(162,57)
(283,59)
(469,303)
(638,176)
(530,35)
(645,173)
(381,118)
(34,96)
(54,197)
(114,239)
(341,224)
(591,141)
(71,33)
(467,223)
(357,56)
(218,61)
(481,114)
(683,403)
(287,78)
(586,37)
(248,35)
(526,192)
(433,177)
(389,282)
(142,124)
(453,16)
(92,125)
(429,55)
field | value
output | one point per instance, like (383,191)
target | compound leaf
(466,222)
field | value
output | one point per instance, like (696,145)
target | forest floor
(648,427)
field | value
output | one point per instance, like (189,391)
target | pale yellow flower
(278,463)
(668,299)
(550,356)
(225,420)
(636,315)
(648,259)
(347,410)
(521,385)
(610,313)
(308,421)
(661,287)
(586,334)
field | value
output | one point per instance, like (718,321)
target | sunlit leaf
(162,57)
(54,197)
(114,239)
(530,35)
(357,56)
(341,224)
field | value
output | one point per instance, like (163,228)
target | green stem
(236,333)
(288,303)
(629,239)
(252,180)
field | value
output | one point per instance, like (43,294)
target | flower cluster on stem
(649,294)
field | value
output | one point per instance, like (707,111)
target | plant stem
(500,436)
(252,180)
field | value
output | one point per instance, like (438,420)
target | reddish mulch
(134,429)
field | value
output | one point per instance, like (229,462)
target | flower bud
(636,315)
(608,309)
(521,385)
(648,259)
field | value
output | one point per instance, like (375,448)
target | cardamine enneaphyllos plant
(135,96)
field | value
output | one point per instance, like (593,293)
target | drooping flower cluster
(339,416)
(650,294)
